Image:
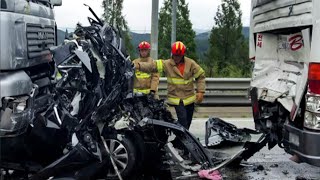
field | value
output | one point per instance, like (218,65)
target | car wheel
(123,152)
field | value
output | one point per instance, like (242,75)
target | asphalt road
(267,164)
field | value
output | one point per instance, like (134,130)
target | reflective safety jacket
(144,82)
(180,87)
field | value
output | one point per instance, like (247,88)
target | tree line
(227,55)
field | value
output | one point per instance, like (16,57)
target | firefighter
(146,83)
(181,72)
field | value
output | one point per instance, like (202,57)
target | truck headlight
(312,114)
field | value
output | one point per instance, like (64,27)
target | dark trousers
(184,114)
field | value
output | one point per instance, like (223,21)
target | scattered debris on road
(260,168)
(274,166)
(285,172)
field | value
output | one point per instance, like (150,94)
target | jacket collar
(144,59)
(174,66)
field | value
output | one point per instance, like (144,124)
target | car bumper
(303,143)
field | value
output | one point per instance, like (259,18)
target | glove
(199,97)
(152,92)
(136,65)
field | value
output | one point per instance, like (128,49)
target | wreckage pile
(86,123)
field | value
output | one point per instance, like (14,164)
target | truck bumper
(303,143)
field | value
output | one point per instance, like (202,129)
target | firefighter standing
(146,83)
(180,71)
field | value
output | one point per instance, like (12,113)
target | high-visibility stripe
(189,100)
(142,75)
(159,65)
(198,73)
(178,81)
(186,101)
(177,45)
(144,91)
(174,101)
(58,76)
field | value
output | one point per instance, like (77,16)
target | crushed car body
(76,116)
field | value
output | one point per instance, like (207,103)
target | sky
(138,13)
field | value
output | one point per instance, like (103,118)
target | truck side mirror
(56,2)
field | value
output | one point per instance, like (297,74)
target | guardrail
(220,91)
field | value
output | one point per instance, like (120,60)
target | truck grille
(39,40)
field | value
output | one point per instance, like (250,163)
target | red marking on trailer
(296,42)
(259,43)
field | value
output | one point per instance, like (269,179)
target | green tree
(113,15)
(184,32)
(228,49)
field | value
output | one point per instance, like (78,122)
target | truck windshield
(44,2)
(8,4)
(3,4)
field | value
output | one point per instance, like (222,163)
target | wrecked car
(285,87)
(75,115)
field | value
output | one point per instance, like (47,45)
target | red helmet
(144,45)
(178,48)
